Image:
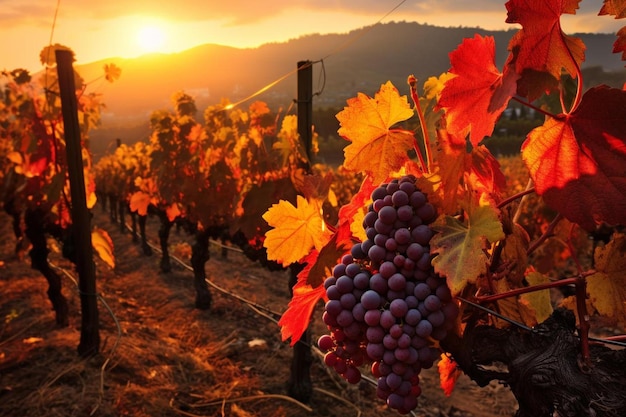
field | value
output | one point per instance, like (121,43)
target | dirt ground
(161,357)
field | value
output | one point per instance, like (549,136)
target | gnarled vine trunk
(147,250)
(544,368)
(199,257)
(36,233)
(164,235)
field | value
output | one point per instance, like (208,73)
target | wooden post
(81,218)
(305,105)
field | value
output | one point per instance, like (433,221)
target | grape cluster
(385,302)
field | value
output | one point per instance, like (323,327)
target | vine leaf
(295,319)
(460,247)
(615,8)
(103,244)
(607,287)
(578,161)
(112,72)
(139,202)
(449,372)
(539,301)
(295,230)
(541,45)
(377,148)
(476,97)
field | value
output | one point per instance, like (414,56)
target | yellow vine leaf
(460,247)
(296,230)
(367,122)
(607,287)
(102,243)
(539,301)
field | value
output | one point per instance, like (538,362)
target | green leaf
(461,257)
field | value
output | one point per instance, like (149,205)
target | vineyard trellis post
(81,218)
(305,105)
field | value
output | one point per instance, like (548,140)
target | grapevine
(486,248)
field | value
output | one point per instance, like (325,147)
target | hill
(358,61)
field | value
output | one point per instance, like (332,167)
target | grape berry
(386,304)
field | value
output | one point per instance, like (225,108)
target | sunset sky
(114,28)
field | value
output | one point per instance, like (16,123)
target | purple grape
(407,186)
(375,334)
(396,331)
(378,284)
(389,342)
(348,301)
(387,319)
(333,293)
(369,219)
(398,308)
(414,251)
(358,311)
(352,269)
(393,381)
(345,318)
(377,254)
(380,239)
(397,282)
(432,303)
(387,269)
(405,213)
(364,249)
(382,227)
(361,280)
(422,290)
(357,252)
(417,199)
(423,329)
(413,317)
(391,245)
(325,343)
(333,307)
(344,284)
(387,215)
(402,354)
(422,234)
(392,187)
(372,317)
(339,270)
(400,198)
(404,341)
(427,213)
(379,193)
(436,318)
(402,236)
(370,300)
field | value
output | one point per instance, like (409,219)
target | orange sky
(103,29)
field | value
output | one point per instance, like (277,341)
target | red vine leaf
(377,148)
(578,161)
(541,45)
(607,287)
(295,319)
(477,96)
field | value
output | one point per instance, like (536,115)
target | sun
(150,39)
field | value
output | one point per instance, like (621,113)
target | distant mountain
(358,61)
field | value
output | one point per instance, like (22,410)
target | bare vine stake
(81,222)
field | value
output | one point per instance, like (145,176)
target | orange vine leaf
(476,97)
(296,230)
(377,148)
(615,8)
(103,244)
(577,161)
(139,202)
(448,374)
(541,45)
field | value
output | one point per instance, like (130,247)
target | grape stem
(514,197)
(546,235)
(413,84)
